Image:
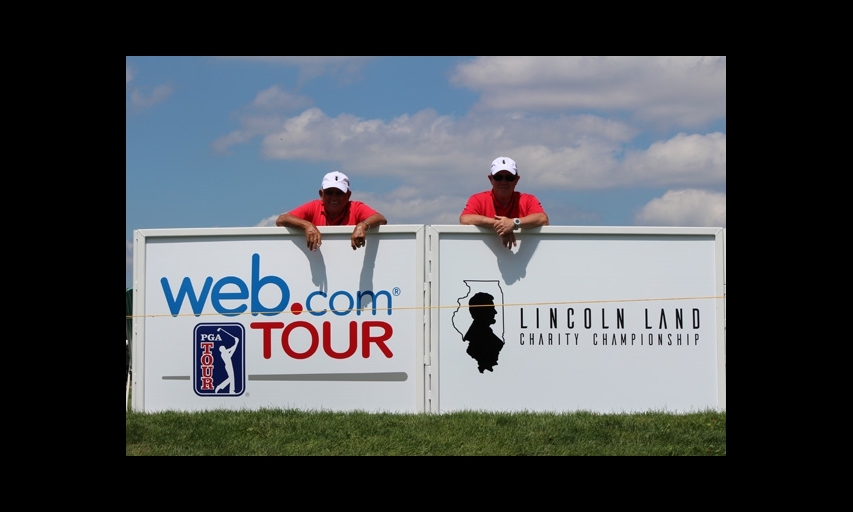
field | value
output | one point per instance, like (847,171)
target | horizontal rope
(456,306)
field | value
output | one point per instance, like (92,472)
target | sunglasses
(500,177)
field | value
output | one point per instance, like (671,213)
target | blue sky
(601,141)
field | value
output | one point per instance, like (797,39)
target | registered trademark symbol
(396,291)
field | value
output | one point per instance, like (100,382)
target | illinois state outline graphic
(478,311)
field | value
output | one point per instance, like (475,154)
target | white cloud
(140,99)
(222,144)
(568,145)
(144,96)
(269,221)
(346,69)
(428,141)
(571,152)
(275,98)
(689,208)
(680,91)
(252,126)
(682,160)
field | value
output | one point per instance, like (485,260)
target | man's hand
(359,236)
(312,234)
(503,225)
(508,240)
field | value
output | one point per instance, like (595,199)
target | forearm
(377,219)
(534,220)
(313,238)
(472,219)
(291,221)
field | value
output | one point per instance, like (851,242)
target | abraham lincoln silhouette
(483,344)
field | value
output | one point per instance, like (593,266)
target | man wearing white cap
(502,208)
(334,208)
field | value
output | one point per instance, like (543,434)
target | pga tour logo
(219,359)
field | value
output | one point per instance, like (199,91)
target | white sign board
(249,318)
(430,319)
(599,319)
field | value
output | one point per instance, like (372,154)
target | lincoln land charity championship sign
(430,319)
(599,319)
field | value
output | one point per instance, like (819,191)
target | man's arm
(534,220)
(292,221)
(473,219)
(536,215)
(507,236)
(234,347)
(377,219)
(359,232)
(506,225)
(312,234)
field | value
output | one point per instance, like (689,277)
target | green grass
(292,432)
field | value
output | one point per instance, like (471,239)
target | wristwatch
(516,224)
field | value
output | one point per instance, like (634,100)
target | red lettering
(206,365)
(315,340)
(380,340)
(327,341)
(267,328)
(367,338)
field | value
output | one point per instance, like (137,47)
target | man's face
(484,312)
(503,181)
(334,200)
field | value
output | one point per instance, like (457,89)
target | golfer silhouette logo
(226,354)
(219,360)
(483,344)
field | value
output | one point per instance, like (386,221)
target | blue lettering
(341,312)
(218,295)
(372,296)
(258,283)
(308,304)
(232,288)
(186,290)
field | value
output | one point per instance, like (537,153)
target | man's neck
(331,219)
(504,198)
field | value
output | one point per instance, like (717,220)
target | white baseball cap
(336,179)
(503,163)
